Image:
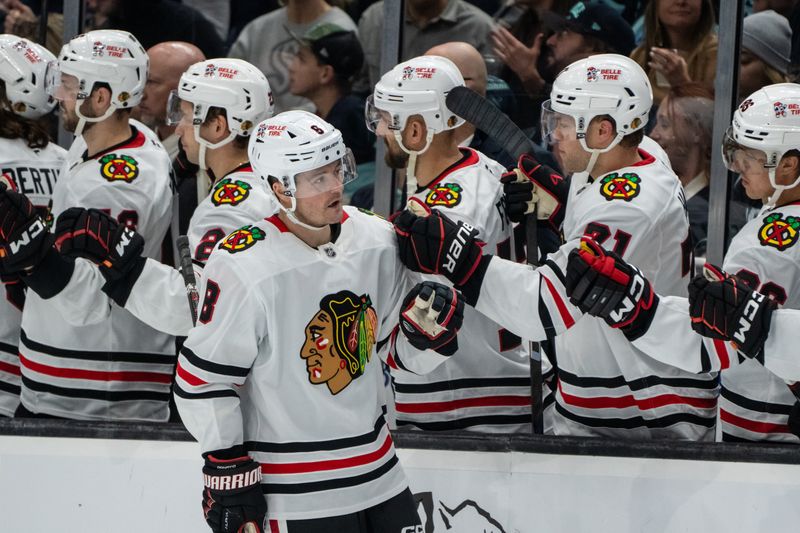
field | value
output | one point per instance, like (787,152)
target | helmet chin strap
(203,179)
(411,177)
(583,176)
(82,120)
(290,213)
(773,199)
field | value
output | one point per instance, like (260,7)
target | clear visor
(556,127)
(741,159)
(175,112)
(60,85)
(327,178)
(374,116)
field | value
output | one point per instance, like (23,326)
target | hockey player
(487,386)
(762,146)
(30,163)
(619,194)
(115,368)
(216,107)
(279,381)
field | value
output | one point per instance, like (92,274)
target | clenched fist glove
(232,498)
(116,248)
(431,316)
(431,243)
(724,307)
(532,183)
(602,284)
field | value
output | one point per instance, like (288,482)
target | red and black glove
(602,284)
(724,307)
(431,316)
(532,183)
(24,237)
(115,248)
(233,501)
(431,243)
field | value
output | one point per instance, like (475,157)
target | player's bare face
(566,147)
(66,95)
(750,165)
(395,156)
(322,363)
(320,195)
(185,130)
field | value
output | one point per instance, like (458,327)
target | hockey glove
(116,248)
(431,243)
(602,284)
(24,237)
(794,419)
(724,307)
(431,316)
(232,498)
(532,183)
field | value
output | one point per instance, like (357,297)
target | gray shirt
(459,21)
(266,44)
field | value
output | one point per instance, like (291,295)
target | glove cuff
(641,323)
(472,288)
(51,275)
(232,476)
(119,288)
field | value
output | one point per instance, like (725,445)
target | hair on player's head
(13,126)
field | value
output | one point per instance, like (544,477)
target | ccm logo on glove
(27,237)
(637,286)
(748,314)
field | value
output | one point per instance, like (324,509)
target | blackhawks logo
(242,239)
(119,168)
(230,192)
(445,195)
(779,232)
(616,187)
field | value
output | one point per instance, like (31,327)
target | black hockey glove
(24,237)
(431,243)
(232,498)
(602,284)
(532,183)
(431,316)
(794,419)
(724,307)
(116,248)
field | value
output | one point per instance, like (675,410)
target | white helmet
(234,85)
(295,142)
(114,57)
(23,68)
(604,84)
(769,121)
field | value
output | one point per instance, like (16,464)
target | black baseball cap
(598,19)
(334,46)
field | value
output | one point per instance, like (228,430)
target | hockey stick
(187,271)
(486,117)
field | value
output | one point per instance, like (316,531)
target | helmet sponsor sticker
(445,195)
(119,168)
(229,192)
(242,239)
(423,73)
(604,74)
(625,187)
(782,110)
(778,232)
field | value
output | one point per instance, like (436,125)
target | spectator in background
(589,28)
(322,71)
(20,20)
(267,44)
(766,46)
(683,129)
(426,24)
(157,21)
(680,44)
(217,12)
(167,62)
(782,7)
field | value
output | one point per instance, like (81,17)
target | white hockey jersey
(486,385)
(159,296)
(116,367)
(35,172)
(605,386)
(283,361)
(780,350)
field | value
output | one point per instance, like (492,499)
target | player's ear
(415,133)
(100,99)
(789,168)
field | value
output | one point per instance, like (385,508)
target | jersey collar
(136,140)
(468,157)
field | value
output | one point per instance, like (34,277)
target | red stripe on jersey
(95,375)
(9,368)
(722,354)
(562,307)
(486,401)
(332,464)
(752,425)
(468,157)
(273,526)
(345,216)
(646,159)
(390,361)
(278,223)
(189,378)
(621,402)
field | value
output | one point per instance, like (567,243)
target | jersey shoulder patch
(230,192)
(118,168)
(625,186)
(445,195)
(242,239)
(778,231)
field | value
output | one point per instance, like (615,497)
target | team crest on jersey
(339,340)
(242,239)
(625,187)
(445,195)
(119,168)
(229,192)
(779,232)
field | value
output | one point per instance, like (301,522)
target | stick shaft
(187,271)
